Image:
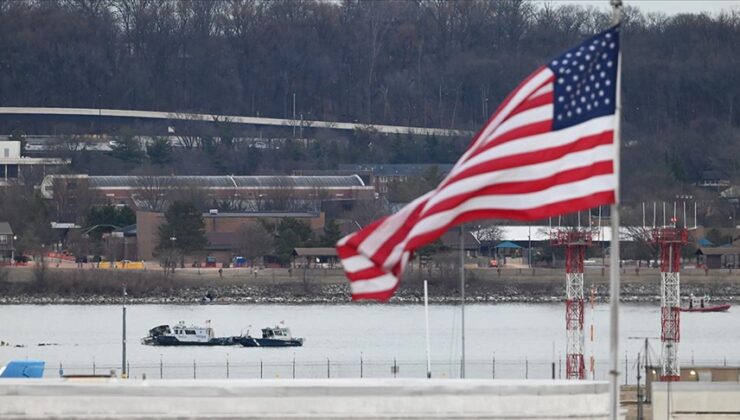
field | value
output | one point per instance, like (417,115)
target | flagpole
(462,297)
(426,321)
(614,251)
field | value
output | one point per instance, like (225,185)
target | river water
(502,340)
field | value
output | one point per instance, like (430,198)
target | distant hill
(428,63)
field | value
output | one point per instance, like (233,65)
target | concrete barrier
(303,399)
(696,400)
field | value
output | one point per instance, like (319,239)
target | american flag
(548,149)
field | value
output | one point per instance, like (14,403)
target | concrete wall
(696,400)
(10,149)
(710,374)
(304,399)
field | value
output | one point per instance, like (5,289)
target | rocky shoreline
(339,294)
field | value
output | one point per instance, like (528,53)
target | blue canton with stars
(586,80)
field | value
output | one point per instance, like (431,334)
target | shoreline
(328,287)
(326,299)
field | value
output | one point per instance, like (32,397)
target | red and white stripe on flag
(548,149)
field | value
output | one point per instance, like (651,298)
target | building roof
(732,192)
(315,252)
(725,250)
(704,242)
(712,174)
(127,231)
(520,233)
(328,183)
(401,169)
(263,214)
(34,161)
(507,245)
(237,182)
(5,228)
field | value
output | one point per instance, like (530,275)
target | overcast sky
(669,7)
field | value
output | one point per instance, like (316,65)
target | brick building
(222,230)
(255,194)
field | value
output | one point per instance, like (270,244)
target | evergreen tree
(332,234)
(159,151)
(289,234)
(126,148)
(184,229)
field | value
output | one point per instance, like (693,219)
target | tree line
(426,63)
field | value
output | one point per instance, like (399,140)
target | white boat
(183,335)
(278,336)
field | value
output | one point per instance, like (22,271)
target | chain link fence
(360,368)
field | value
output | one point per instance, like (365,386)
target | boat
(182,335)
(702,305)
(278,336)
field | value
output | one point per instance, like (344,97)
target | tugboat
(182,335)
(271,337)
(702,305)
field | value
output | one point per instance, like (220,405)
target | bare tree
(188,130)
(639,245)
(152,193)
(489,233)
(72,199)
(254,242)
(281,195)
(190,190)
(365,212)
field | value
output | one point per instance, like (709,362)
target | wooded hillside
(426,63)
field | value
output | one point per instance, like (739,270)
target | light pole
(300,130)
(12,250)
(172,252)
(124,374)
(529,246)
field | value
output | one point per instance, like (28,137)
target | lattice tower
(575,243)
(670,240)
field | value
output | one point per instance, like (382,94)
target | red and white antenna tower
(575,243)
(670,239)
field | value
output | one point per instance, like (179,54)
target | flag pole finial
(616,11)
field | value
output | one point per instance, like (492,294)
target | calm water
(524,339)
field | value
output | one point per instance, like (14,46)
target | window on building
(12,171)
(6,152)
(3,239)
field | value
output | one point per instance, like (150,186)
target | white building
(13,165)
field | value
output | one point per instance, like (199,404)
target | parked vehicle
(239,262)
(211,262)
